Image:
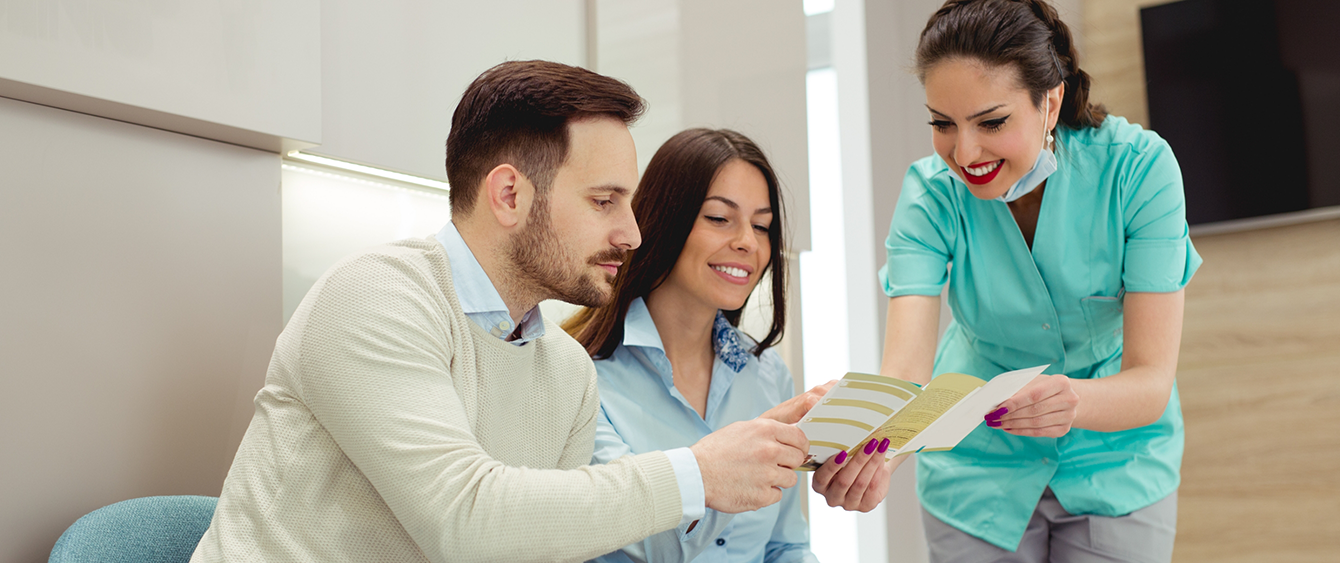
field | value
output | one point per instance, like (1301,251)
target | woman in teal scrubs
(1062,234)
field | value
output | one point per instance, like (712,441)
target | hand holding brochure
(936,417)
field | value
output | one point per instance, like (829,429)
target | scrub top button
(721,541)
(1046,326)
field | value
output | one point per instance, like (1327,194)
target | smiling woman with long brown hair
(674,366)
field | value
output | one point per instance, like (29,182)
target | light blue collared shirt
(480,300)
(482,304)
(641,411)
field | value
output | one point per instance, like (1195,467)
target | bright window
(823,290)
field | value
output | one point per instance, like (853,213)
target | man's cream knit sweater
(391,428)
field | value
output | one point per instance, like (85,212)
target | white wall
(743,66)
(704,63)
(139,303)
(393,70)
(639,43)
(242,71)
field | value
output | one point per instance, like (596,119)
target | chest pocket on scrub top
(1104,316)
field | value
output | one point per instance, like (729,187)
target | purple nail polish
(841,457)
(884,445)
(993,423)
(870,448)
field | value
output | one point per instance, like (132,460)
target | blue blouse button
(721,541)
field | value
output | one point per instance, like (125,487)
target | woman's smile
(982,173)
(734,273)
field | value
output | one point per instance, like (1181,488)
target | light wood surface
(1113,56)
(1260,385)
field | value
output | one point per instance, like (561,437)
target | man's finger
(792,436)
(784,478)
(789,411)
(792,410)
(791,458)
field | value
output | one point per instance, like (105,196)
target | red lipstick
(985,178)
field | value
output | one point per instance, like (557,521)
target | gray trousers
(1054,535)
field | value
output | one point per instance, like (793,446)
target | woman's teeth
(737,272)
(983,169)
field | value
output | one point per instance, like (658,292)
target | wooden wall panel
(1260,365)
(1112,55)
(1260,384)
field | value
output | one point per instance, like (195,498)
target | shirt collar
(474,289)
(726,342)
(640,330)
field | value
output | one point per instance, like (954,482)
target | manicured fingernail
(841,457)
(870,448)
(993,423)
(884,445)
(997,413)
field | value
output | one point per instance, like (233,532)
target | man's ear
(508,194)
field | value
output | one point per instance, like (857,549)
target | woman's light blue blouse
(1112,221)
(641,411)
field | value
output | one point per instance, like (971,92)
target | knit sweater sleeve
(375,372)
(582,440)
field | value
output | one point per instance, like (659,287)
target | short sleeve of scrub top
(1112,221)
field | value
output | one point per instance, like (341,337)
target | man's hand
(791,410)
(1046,407)
(859,481)
(746,464)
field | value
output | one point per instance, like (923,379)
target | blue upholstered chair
(141,530)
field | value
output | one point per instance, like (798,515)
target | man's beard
(540,260)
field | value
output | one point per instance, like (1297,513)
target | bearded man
(419,408)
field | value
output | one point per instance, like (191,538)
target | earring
(1049,138)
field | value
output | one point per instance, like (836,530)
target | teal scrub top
(1112,221)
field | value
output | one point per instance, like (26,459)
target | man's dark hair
(518,113)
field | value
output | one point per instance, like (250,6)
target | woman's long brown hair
(667,203)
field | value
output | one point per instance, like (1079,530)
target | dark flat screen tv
(1247,92)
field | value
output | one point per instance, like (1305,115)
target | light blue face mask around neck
(1044,166)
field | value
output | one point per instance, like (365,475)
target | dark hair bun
(1028,34)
